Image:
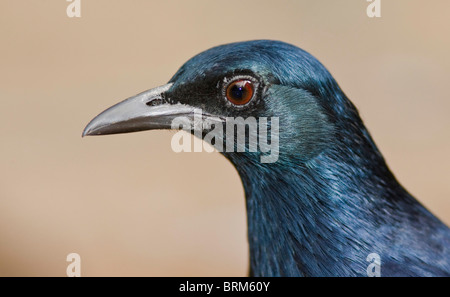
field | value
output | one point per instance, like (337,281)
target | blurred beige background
(129,205)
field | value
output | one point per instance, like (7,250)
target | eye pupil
(240,92)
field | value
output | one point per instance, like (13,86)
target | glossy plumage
(330,200)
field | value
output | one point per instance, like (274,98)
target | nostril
(154,102)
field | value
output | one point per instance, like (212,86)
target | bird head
(262,79)
(313,209)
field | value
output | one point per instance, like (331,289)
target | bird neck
(301,217)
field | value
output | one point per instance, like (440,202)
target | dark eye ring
(240,91)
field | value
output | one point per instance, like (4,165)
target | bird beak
(145,111)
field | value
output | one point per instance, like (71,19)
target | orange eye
(240,91)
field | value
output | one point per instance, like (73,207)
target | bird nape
(327,200)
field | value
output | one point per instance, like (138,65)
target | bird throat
(285,226)
(300,218)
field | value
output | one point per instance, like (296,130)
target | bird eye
(240,92)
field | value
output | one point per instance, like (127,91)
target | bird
(329,200)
